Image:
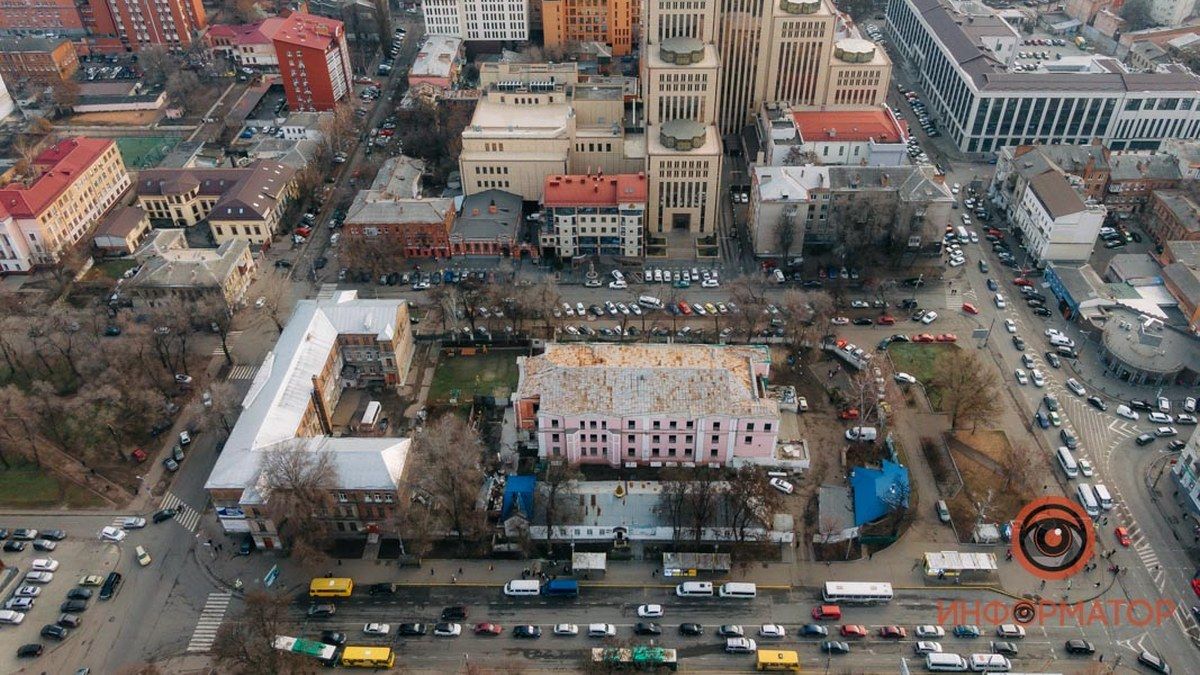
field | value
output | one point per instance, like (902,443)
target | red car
(387,132)
(848,414)
(893,633)
(947,337)
(1196,586)
(924,337)
(854,630)
(995,233)
(488,629)
(139,455)
(685,308)
(886,320)
(1122,536)
(969,308)
(303,231)
(1022,281)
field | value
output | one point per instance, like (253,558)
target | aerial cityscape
(586,336)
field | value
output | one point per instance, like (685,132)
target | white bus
(1088,499)
(735,589)
(964,237)
(1067,461)
(689,589)
(1104,497)
(651,302)
(952,663)
(868,592)
(371,414)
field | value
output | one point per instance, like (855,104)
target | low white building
(862,136)
(301,126)
(1058,225)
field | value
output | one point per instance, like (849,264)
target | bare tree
(450,455)
(967,388)
(785,233)
(672,502)
(276,289)
(298,483)
(542,301)
(749,294)
(748,500)
(219,317)
(1018,468)
(157,64)
(558,486)
(703,493)
(244,646)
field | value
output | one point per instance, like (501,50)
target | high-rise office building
(681,75)
(314,61)
(609,21)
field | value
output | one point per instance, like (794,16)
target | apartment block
(1134,176)
(960,54)
(77,181)
(245,203)
(1181,276)
(314,61)
(798,52)
(328,346)
(1057,224)
(478,20)
(647,404)
(35,16)
(405,226)
(252,45)
(594,215)
(41,61)
(138,24)
(612,22)
(170,269)
(1172,215)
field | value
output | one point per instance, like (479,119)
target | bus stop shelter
(589,565)
(959,566)
(693,564)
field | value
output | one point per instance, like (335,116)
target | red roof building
(78,180)
(138,24)
(251,44)
(594,215)
(314,61)
(38,15)
(877,124)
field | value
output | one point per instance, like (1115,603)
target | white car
(605,630)
(570,629)
(929,318)
(1010,630)
(650,611)
(1010,326)
(29,592)
(1000,301)
(377,629)
(1022,378)
(772,630)
(839,321)
(1189,404)
(1161,418)
(740,645)
(958,262)
(859,304)
(45,564)
(1184,418)
(1039,380)
(113,534)
(927,648)
(782,485)
(1127,412)
(133,523)
(262,300)
(709,283)
(618,285)
(185,438)
(9,616)
(1051,332)
(928,631)
(1074,386)
(1164,404)
(1085,467)
(39,577)
(904,378)
(447,630)
(580,309)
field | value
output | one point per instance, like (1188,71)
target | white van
(1060,340)
(523,587)
(617,276)
(601,630)
(738,590)
(1067,461)
(650,301)
(777,275)
(1087,498)
(694,589)
(863,434)
(1103,496)
(991,663)
(952,663)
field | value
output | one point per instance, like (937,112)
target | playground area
(459,376)
(144,152)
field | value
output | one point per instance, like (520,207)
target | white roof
(281,391)
(776,183)
(436,57)
(960,560)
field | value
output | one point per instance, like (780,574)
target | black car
(1018,343)
(526,632)
(55,632)
(165,514)
(1080,647)
(382,589)
(3,533)
(73,606)
(14,546)
(411,629)
(1175,446)
(246,545)
(454,613)
(1139,404)
(332,637)
(1053,360)
(79,594)
(112,331)
(862,321)
(1144,439)
(1035,303)
(813,629)
(1041,311)
(321,262)
(1005,648)
(908,303)
(728,631)
(29,651)
(899,337)
(1097,403)
(321,611)
(646,628)
(1069,439)
(110,586)
(835,647)
(691,629)
(992,285)
(54,535)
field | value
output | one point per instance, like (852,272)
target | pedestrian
(1097,584)
(1101,658)
(453,578)
(339,562)
(491,568)
(430,571)
(1043,585)
(460,570)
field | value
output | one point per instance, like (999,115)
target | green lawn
(24,485)
(479,374)
(919,360)
(143,152)
(115,269)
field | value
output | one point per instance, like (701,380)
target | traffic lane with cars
(619,606)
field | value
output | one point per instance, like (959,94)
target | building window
(657,424)
(749,439)
(750,426)
(766,426)
(630,424)
(554,437)
(341,497)
(554,424)
(716,439)
(631,439)
(716,426)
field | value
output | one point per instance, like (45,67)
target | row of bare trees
(696,498)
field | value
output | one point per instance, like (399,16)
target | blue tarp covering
(875,490)
(518,493)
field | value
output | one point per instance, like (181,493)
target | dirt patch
(866,454)
(979,457)
(991,442)
(135,118)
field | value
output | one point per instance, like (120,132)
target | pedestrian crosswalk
(242,373)
(184,514)
(218,351)
(210,622)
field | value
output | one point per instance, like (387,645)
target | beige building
(122,231)
(528,128)
(800,52)
(169,268)
(245,203)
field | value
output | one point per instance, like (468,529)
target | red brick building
(39,15)
(133,25)
(38,60)
(314,61)
(409,228)
(1174,216)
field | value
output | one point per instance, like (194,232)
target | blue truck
(563,588)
